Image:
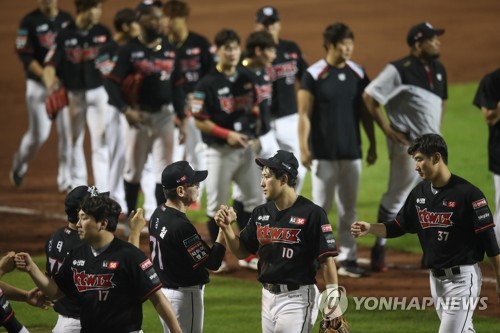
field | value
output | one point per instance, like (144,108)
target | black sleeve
(24,43)
(198,251)
(320,234)
(301,63)
(112,83)
(481,216)
(490,242)
(142,274)
(307,83)
(179,95)
(207,59)
(488,92)
(64,277)
(393,229)
(248,236)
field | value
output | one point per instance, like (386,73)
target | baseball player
(112,277)
(260,52)
(330,111)
(488,100)
(413,91)
(150,116)
(195,57)
(290,234)
(225,110)
(179,255)
(75,52)
(36,35)
(288,68)
(455,227)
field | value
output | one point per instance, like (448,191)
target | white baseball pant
(187,303)
(226,164)
(459,289)
(286,132)
(402,179)
(291,312)
(338,180)
(67,325)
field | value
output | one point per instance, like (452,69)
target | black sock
(131,194)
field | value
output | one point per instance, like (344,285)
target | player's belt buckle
(280,288)
(446,271)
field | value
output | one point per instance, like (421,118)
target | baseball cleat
(224,268)
(15,178)
(250,262)
(351,269)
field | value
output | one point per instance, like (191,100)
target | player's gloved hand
(237,139)
(336,325)
(134,117)
(360,228)
(55,102)
(7,263)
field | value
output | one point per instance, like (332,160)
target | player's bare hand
(237,139)
(371,156)
(255,145)
(397,136)
(360,228)
(137,221)
(182,131)
(492,117)
(7,263)
(134,117)
(24,262)
(38,299)
(306,158)
(225,216)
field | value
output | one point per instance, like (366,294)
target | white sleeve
(385,85)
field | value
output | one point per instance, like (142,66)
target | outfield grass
(233,305)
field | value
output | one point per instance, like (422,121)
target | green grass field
(233,305)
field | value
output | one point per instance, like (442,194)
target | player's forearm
(495,262)
(14,294)
(44,283)
(376,113)
(49,76)
(304,131)
(35,68)
(329,270)
(367,122)
(378,229)
(165,311)
(234,243)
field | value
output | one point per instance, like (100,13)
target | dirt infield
(470,48)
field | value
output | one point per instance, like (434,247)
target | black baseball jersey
(162,80)
(106,59)
(178,253)
(37,35)
(194,58)
(6,311)
(288,67)
(112,285)
(56,250)
(264,91)
(488,96)
(75,51)
(336,111)
(447,221)
(289,242)
(412,93)
(230,102)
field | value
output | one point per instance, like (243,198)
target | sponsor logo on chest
(449,204)
(263,218)
(79,263)
(421,201)
(434,219)
(297,220)
(110,264)
(43,27)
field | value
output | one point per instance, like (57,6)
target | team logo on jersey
(326,228)
(439,76)
(449,204)
(341,76)
(421,201)
(285,69)
(264,92)
(479,203)
(43,27)
(147,67)
(100,39)
(110,264)
(293,55)
(193,51)
(87,282)
(297,220)
(433,219)
(145,264)
(67,231)
(197,102)
(21,39)
(267,234)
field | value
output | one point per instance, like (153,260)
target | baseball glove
(336,325)
(130,88)
(54,102)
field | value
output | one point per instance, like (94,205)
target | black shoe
(378,258)
(15,178)
(350,268)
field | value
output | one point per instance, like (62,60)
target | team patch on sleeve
(146,264)
(326,228)
(195,247)
(479,203)
(21,39)
(483,215)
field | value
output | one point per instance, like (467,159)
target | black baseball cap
(421,31)
(144,7)
(181,173)
(283,160)
(75,198)
(267,15)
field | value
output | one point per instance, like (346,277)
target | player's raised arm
(224,217)
(361,228)
(47,286)
(165,311)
